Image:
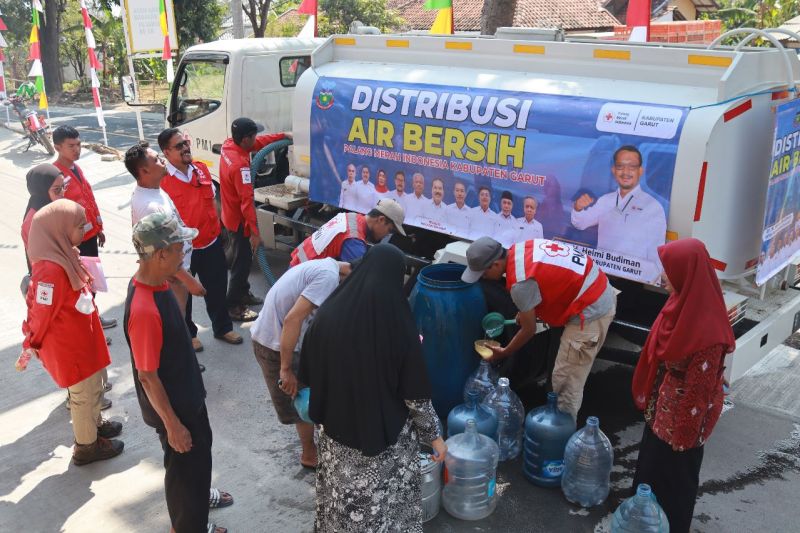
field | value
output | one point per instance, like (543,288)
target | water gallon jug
(483,381)
(510,415)
(588,458)
(448,314)
(484,417)
(547,431)
(431,486)
(470,474)
(640,514)
(301,404)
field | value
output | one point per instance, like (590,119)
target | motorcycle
(34,125)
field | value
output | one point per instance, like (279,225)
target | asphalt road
(749,479)
(121,128)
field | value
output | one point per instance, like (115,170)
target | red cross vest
(327,240)
(195,203)
(561,271)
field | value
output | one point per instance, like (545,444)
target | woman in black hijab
(370,395)
(45,184)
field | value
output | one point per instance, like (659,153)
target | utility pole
(238,23)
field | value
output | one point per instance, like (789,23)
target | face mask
(85,303)
(87,227)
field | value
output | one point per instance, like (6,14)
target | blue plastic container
(640,514)
(483,381)
(588,459)
(510,415)
(547,431)
(448,313)
(484,417)
(301,404)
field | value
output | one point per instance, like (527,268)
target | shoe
(108,323)
(252,299)
(109,429)
(197,345)
(231,338)
(107,386)
(202,367)
(99,450)
(242,314)
(108,341)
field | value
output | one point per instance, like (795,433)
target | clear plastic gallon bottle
(484,417)
(483,381)
(547,431)
(588,459)
(470,474)
(640,514)
(510,415)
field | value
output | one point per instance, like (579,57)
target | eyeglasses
(181,145)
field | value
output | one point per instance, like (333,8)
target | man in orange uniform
(67,143)
(239,211)
(189,186)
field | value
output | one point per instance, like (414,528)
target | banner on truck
(512,165)
(780,241)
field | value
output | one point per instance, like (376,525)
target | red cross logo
(554,249)
(609,116)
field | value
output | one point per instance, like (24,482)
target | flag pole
(94,65)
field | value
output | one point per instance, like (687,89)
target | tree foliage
(337,15)
(756,13)
(17,17)
(257,12)
(497,14)
(197,21)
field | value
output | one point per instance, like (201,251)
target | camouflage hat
(158,230)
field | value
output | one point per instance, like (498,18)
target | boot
(99,450)
(109,429)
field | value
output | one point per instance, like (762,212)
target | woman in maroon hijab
(678,380)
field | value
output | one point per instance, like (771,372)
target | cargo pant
(84,407)
(576,354)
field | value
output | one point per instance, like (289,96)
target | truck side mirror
(216,149)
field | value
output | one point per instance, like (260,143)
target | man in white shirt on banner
(530,228)
(399,193)
(629,221)
(457,215)
(433,214)
(347,198)
(416,202)
(507,224)
(365,194)
(483,221)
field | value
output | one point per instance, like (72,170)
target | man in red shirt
(239,211)
(67,143)
(188,183)
(166,374)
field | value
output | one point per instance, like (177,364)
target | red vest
(560,270)
(79,191)
(195,203)
(338,229)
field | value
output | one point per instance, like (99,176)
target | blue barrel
(448,313)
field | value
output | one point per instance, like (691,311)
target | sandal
(218,498)
(242,314)
(212,528)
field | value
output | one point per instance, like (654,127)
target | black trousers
(209,265)
(238,285)
(673,476)
(187,479)
(89,247)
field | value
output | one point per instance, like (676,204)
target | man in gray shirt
(560,285)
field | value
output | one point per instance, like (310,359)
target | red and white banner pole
(94,66)
(3,44)
(638,20)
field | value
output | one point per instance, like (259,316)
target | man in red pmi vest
(560,285)
(345,236)
(239,211)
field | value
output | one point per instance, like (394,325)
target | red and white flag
(308,7)
(94,66)
(638,20)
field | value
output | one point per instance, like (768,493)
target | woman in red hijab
(678,380)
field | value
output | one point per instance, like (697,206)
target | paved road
(749,481)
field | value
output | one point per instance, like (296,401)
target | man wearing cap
(561,286)
(345,236)
(239,211)
(166,374)
(188,183)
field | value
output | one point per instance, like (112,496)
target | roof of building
(565,14)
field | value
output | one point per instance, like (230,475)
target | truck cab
(220,81)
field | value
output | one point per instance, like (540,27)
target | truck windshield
(200,90)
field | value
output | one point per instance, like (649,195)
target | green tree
(17,16)
(197,20)
(337,15)
(755,13)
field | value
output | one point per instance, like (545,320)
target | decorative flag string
(167,53)
(3,45)
(35,55)
(94,66)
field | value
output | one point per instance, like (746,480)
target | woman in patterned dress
(370,396)
(678,380)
